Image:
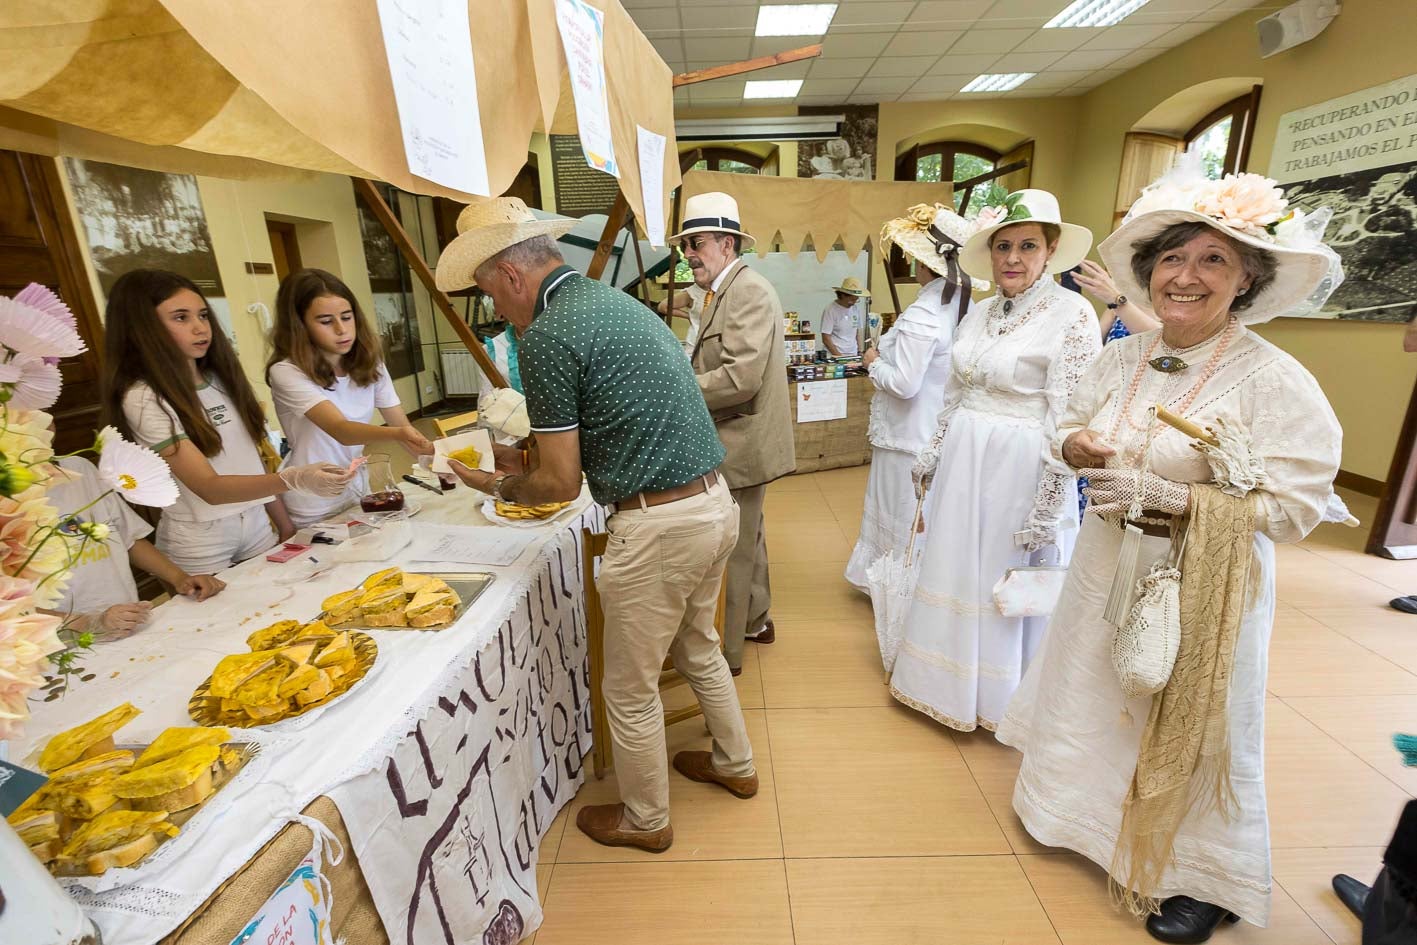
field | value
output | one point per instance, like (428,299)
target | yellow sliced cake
(299,679)
(342,607)
(389,577)
(431,608)
(177,783)
(176,740)
(94,737)
(338,650)
(261,689)
(116,839)
(112,763)
(274,635)
(236,670)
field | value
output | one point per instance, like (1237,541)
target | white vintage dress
(909,378)
(1078,733)
(1010,378)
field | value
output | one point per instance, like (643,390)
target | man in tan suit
(741,364)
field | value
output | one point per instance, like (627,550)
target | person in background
(609,392)
(1123,316)
(101,595)
(909,372)
(327,378)
(843,318)
(740,359)
(172,383)
(1000,502)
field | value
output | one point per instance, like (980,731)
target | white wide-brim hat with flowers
(930,234)
(713,212)
(1024,206)
(1249,209)
(485,228)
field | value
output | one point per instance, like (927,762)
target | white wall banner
(821,400)
(582,29)
(652,183)
(1357,156)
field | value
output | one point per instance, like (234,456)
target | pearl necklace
(994,338)
(1190,396)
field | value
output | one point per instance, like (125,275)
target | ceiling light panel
(998,82)
(1094,13)
(795,19)
(777,88)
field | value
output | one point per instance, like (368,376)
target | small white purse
(1029,592)
(1144,646)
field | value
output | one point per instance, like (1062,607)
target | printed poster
(652,184)
(582,29)
(821,400)
(298,912)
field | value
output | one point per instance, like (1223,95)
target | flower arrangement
(38,545)
(1250,204)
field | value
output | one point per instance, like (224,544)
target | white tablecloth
(526,687)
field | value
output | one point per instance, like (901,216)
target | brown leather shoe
(601,823)
(735,671)
(698,766)
(766,634)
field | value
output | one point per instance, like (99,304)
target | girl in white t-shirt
(327,377)
(174,385)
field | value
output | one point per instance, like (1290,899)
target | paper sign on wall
(429,47)
(821,400)
(582,29)
(298,913)
(652,183)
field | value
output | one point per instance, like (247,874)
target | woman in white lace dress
(909,371)
(996,503)
(1095,761)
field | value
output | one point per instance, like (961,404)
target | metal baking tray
(468,585)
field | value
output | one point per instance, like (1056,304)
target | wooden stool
(602,754)
(447,426)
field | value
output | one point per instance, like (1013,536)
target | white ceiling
(922,50)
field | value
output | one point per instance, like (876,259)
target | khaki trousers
(659,581)
(749,590)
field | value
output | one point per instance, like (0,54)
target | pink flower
(37,296)
(26,640)
(988,216)
(25,329)
(1245,202)
(36,381)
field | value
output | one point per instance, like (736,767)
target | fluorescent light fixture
(786,128)
(998,82)
(1095,13)
(776,88)
(796,19)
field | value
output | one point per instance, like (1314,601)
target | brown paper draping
(265,85)
(852,211)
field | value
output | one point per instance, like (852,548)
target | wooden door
(285,250)
(1394,532)
(38,244)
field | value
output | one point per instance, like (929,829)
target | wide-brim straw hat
(1252,211)
(852,286)
(1025,206)
(928,234)
(485,228)
(713,212)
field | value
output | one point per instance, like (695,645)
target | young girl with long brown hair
(173,384)
(327,377)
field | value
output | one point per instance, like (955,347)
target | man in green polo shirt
(610,393)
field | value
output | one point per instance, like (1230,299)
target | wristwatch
(497,487)
(1121,300)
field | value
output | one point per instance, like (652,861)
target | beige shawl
(1183,763)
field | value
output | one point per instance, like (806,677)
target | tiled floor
(875,826)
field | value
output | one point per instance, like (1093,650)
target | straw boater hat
(485,228)
(852,286)
(933,236)
(1249,209)
(713,212)
(1024,206)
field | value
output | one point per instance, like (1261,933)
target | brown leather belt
(647,500)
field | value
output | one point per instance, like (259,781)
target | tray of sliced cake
(108,804)
(293,667)
(394,599)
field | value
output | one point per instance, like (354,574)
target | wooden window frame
(906,166)
(715,156)
(1242,111)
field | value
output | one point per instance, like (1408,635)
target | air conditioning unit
(1295,24)
(792,128)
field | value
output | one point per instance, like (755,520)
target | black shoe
(1351,893)
(766,634)
(1187,921)
(1408,605)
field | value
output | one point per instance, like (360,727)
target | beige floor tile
(817,591)
(1365,726)
(1308,659)
(1320,793)
(667,903)
(995,769)
(1319,582)
(1074,893)
(709,823)
(962,900)
(875,782)
(551,842)
(794,484)
(820,663)
(543,885)
(818,541)
(1389,633)
(1400,576)
(1307,876)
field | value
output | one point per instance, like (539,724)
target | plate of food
(394,599)
(110,805)
(291,669)
(522,516)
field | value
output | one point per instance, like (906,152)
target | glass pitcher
(383,494)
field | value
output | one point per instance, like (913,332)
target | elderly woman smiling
(1167,791)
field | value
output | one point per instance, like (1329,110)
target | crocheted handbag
(1144,646)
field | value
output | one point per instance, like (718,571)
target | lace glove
(1118,492)
(319,479)
(1041,526)
(923,472)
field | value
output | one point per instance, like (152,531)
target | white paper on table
(582,29)
(821,400)
(429,47)
(652,183)
(470,544)
(479,440)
